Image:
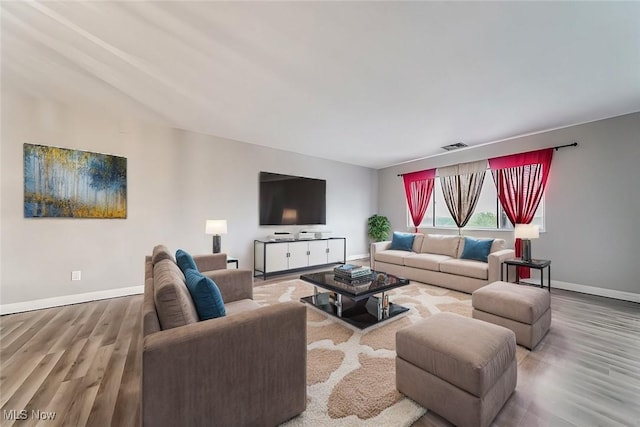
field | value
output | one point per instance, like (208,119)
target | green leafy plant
(379,227)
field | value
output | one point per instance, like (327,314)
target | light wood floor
(585,372)
(83,363)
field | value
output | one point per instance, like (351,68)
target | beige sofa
(435,259)
(247,368)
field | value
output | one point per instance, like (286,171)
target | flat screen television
(292,200)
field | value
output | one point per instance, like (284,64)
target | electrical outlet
(76,275)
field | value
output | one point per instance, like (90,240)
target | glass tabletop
(356,290)
(534,263)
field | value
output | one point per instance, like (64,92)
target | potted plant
(379,227)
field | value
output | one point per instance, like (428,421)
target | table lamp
(526,232)
(216,227)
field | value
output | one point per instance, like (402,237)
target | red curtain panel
(520,180)
(418,187)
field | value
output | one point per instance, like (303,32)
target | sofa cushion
(173,302)
(417,242)
(161,252)
(185,261)
(476,249)
(498,245)
(206,295)
(150,321)
(440,244)
(402,241)
(426,261)
(465,267)
(392,256)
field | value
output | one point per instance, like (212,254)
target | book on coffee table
(365,280)
(351,271)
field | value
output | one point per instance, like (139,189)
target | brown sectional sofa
(245,369)
(435,259)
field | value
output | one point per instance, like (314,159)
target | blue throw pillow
(402,241)
(185,261)
(205,294)
(476,249)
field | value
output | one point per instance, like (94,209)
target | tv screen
(292,200)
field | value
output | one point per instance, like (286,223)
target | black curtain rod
(575,144)
(557,147)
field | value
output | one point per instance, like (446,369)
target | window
(488,213)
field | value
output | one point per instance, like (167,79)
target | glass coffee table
(355,303)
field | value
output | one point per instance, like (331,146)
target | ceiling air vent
(455,146)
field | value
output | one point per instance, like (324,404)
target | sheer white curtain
(461,185)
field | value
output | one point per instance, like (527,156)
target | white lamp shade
(216,226)
(526,231)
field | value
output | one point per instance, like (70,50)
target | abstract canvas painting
(64,183)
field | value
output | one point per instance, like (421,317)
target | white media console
(270,258)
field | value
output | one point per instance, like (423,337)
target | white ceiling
(367,83)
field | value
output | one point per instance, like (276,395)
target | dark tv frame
(296,196)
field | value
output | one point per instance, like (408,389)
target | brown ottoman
(523,309)
(461,368)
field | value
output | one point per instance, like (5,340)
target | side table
(232,260)
(539,264)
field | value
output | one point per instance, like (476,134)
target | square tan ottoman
(523,309)
(461,368)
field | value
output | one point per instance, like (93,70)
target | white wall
(176,181)
(592,210)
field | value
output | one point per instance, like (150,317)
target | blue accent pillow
(185,261)
(402,241)
(476,249)
(205,294)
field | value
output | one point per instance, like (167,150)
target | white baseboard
(592,290)
(354,257)
(19,307)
